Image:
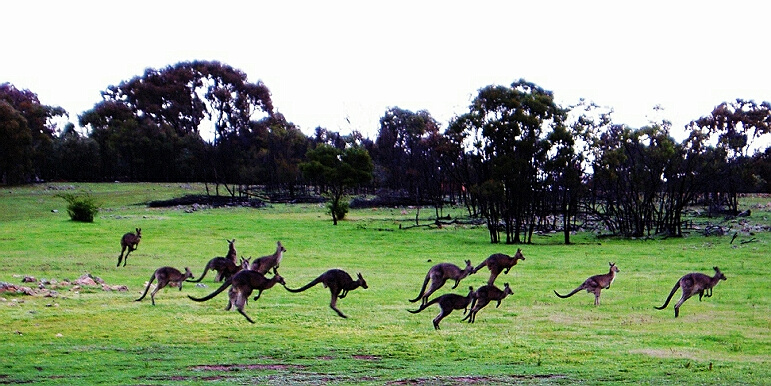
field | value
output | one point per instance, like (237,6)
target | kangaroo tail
(305,287)
(478,267)
(666,303)
(224,285)
(570,294)
(202,275)
(424,306)
(147,288)
(422,290)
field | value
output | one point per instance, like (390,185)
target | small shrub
(80,208)
(340,210)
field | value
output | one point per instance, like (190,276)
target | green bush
(80,208)
(340,210)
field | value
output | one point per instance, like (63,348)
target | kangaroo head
(188,274)
(278,279)
(506,289)
(469,267)
(139,232)
(719,274)
(361,281)
(613,267)
(519,255)
(279,247)
(245,262)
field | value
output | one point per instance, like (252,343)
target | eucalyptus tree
(144,125)
(337,170)
(510,125)
(733,128)
(27,130)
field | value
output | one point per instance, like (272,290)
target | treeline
(517,159)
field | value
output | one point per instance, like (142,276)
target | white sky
(325,61)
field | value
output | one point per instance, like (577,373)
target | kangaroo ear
(716,269)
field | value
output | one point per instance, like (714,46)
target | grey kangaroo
(594,284)
(692,284)
(447,303)
(129,241)
(439,274)
(166,276)
(224,266)
(339,283)
(498,262)
(265,263)
(242,285)
(483,296)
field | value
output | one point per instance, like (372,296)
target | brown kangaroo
(165,276)
(130,241)
(439,274)
(339,283)
(483,296)
(224,268)
(497,262)
(242,285)
(692,284)
(594,284)
(448,303)
(265,263)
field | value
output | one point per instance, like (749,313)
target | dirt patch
(474,380)
(200,201)
(258,366)
(366,357)
(664,353)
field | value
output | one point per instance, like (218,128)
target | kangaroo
(692,284)
(339,283)
(448,303)
(483,296)
(439,274)
(165,276)
(265,263)
(130,241)
(594,284)
(242,285)
(497,262)
(224,268)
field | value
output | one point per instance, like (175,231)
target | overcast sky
(340,65)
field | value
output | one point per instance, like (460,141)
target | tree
(150,127)
(512,122)
(337,170)
(736,126)
(27,131)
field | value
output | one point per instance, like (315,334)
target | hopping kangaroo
(224,266)
(130,241)
(448,303)
(497,262)
(483,296)
(265,263)
(242,285)
(692,284)
(339,283)
(165,276)
(594,284)
(438,275)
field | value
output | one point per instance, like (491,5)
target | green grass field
(90,336)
